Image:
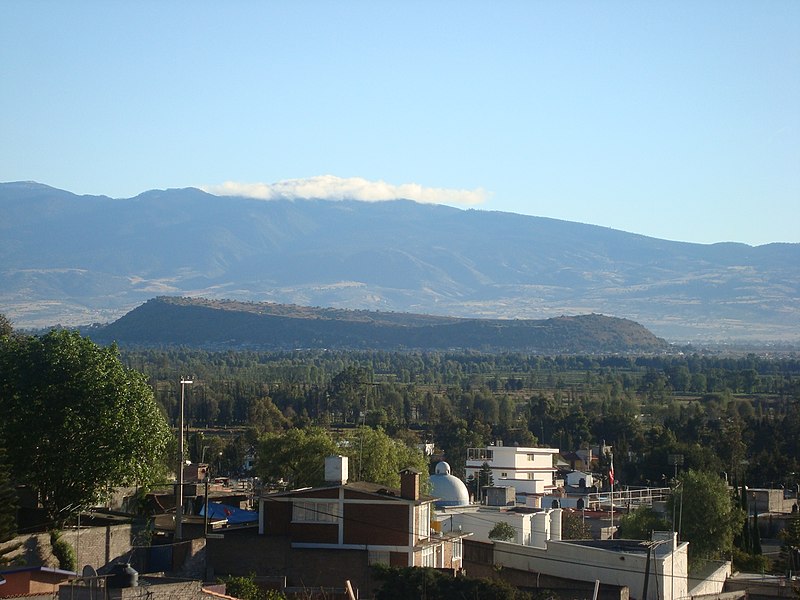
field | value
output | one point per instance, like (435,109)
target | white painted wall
(532,528)
(586,563)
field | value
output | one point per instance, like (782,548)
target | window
(457,549)
(424,522)
(427,557)
(504,475)
(378,557)
(315,511)
(480,454)
(531,458)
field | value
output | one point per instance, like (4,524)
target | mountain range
(73,259)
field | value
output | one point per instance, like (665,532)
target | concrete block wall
(95,546)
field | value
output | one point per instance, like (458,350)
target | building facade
(349,527)
(528,470)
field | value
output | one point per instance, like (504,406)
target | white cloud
(330,187)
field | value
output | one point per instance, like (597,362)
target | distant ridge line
(202,322)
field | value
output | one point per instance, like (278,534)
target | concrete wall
(711,580)
(588,563)
(768,500)
(532,529)
(157,589)
(480,523)
(95,546)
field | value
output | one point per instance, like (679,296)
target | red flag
(611,471)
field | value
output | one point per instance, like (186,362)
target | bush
(639,524)
(246,588)
(63,551)
(502,532)
(750,563)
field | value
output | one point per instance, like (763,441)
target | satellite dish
(92,581)
(88,571)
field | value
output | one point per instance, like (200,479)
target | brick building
(324,536)
(24,581)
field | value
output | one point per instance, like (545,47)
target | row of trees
(715,432)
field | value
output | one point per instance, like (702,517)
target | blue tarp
(234,515)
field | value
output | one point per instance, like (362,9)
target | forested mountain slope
(78,259)
(232,324)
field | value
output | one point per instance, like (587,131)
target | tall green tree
(8,509)
(5,326)
(76,420)
(377,458)
(709,516)
(296,456)
(789,559)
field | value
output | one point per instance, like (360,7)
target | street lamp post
(179,492)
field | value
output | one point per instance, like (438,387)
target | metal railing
(633,497)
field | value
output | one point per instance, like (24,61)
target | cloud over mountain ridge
(331,187)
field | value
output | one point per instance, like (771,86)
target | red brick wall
(277,517)
(398,559)
(315,533)
(376,524)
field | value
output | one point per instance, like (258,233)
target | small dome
(449,490)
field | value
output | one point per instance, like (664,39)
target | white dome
(448,489)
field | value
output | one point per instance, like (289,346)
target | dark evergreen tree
(8,510)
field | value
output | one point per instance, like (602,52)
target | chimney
(409,484)
(336,469)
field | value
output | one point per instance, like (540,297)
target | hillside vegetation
(232,324)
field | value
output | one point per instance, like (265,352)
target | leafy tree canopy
(503,532)
(639,524)
(296,456)
(378,458)
(710,517)
(78,422)
(573,526)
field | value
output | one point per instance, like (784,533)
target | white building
(615,562)
(528,470)
(532,528)
(579,479)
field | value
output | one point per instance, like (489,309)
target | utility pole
(650,545)
(179,487)
(647,571)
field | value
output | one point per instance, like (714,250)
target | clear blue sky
(678,120)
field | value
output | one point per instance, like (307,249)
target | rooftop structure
(448,489)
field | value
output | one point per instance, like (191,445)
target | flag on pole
(611,472)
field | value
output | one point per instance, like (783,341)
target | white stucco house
(529,470)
